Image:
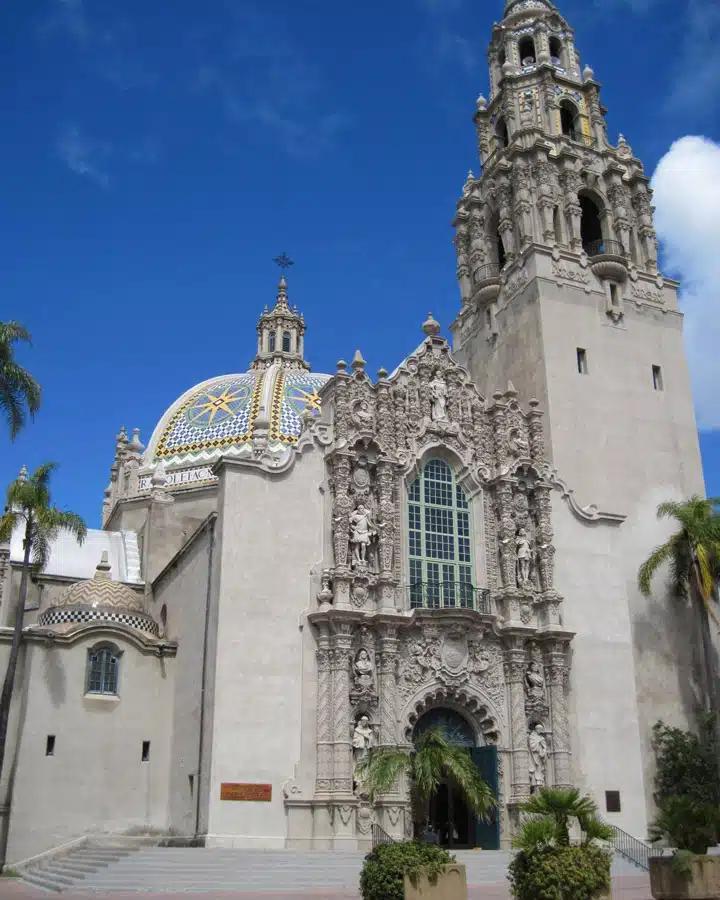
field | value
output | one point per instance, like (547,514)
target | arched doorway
(449,816)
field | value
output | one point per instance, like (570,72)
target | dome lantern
(281,333)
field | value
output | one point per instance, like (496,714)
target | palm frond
(648,569)
(594,829)
(10,332)
(8,523)
(461,769)
(380,768)
(536,832)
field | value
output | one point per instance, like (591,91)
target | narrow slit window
(582,365)
(286,341)
(146,751)
(657,378)
(614,298)
(50,745)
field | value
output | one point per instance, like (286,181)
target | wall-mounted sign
(261,793)
(184,476)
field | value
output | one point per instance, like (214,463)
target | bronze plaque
(256,792)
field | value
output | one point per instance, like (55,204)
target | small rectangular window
(612,801)
(582,365)
(614,299)
(146,751)
(50,745)
(657,378)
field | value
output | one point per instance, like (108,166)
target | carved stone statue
(517,444)
(535,682)
(363,670)
(438,396)
(523,550)
(362,529)
(363,737)
(537,746)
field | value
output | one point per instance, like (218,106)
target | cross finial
(284,261)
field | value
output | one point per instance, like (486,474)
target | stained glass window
(439,539)
(102,675)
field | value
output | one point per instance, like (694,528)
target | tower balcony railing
(603,248)
(486,273)
(448,595)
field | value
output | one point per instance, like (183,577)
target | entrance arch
(448,815)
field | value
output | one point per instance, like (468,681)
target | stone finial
(341,366)
(358,363)
(533,404)
(588,74)
(158,483)
(282,293)
(510,393)
(430,326)
(122,437)
(135,444)
(481,103)
(507,67)
(382,373)
(23,476)
(623,148)
(103,567)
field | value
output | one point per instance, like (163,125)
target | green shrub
(687,763)
(382,876)
(560,873)
(687,824)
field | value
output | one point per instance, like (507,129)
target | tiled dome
(218,415)
(100,599)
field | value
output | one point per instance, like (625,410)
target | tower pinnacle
(281,331)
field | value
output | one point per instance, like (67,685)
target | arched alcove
(526,49)
(591,231)
(502,137)
(569,120)
(556,51)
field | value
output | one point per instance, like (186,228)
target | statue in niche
(537,746)
(364,670)
(438,396)
(517,444)
(363,415)
(524,553)
(363,738)
(362,530)
(326,595)
(535,682)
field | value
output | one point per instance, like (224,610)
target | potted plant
(409,870)
(548,864)
(689,827)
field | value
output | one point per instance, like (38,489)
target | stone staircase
(178,869)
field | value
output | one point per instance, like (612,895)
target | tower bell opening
(591,233)
(569,123)
(526,49)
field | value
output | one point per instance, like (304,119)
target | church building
(298,567)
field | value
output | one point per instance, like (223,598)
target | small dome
(99,599)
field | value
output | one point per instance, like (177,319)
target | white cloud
(83,156)
(687,198)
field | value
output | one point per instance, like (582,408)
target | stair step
(72,869)
(36,879)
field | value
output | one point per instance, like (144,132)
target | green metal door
(487,834)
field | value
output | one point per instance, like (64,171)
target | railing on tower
(449,595)
(603,248)
(633,849)
(380,836)
(485,273)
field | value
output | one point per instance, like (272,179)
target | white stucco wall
(270,533)
(96,780)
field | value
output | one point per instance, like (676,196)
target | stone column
(387,684)
(515,663)
(558,671)
(324,772)
(463,269)
(506,534)
(544,535)
(342,744)
(537,433)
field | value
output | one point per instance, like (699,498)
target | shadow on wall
(54,676)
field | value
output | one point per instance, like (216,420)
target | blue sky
(157,156)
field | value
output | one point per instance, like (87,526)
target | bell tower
(557,261)
(558,266)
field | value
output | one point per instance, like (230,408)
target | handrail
(448,595)
(603,247)
(380,836)
(631,848)
(484,273)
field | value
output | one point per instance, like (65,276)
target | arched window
(271,342)
(591,233)
(502,56)
(102,669)
(440,540)
(526,49)
(556,226)
(286,341)
(556,51)
(496,241)
(569,120)
(457,730)
(501,133)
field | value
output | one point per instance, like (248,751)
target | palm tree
(18,389)
(550,811)
(432,759)
(29,502)
(693,553)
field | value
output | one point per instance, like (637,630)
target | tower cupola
(281,334)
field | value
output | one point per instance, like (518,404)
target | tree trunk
(7,690)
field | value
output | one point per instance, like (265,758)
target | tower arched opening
(591,230)
(556,51)
(502,137)
(497,248)
(569,120)
(271,342)
(526,49)
(286,342)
